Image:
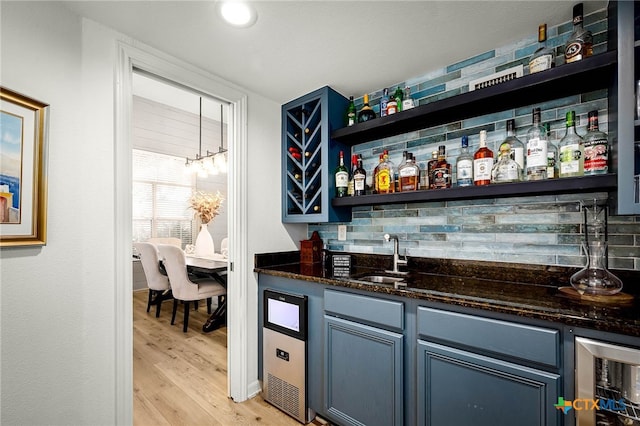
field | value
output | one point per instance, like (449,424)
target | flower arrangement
(206,206)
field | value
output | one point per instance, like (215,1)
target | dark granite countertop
(529,291)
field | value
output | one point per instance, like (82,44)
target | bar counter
(530,291)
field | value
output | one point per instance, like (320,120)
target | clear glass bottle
(464,165)
(571,149)
(544,57)
(384,100)
(506,169)
(552,154)
(352,117)
(366,113)
(359,179)
(409,175)
(407,102)
(596,148)
(482,162)
(517,147)
(536,149)
(342,178)
(442,170)
(580,43)
(595,278)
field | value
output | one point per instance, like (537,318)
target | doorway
(156,63)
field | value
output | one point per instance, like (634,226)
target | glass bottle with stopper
(595,278)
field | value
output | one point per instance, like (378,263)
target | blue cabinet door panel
(363,374)
(461,388)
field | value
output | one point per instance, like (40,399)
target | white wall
(58,362)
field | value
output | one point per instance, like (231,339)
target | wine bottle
(398,96)
(359,179)
(342,178)
(366,113)
(351,112)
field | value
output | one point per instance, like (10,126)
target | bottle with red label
(596,148)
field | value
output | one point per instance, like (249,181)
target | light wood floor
(181,378)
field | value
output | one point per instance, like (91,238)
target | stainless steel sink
(380,279)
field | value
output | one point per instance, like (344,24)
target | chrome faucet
(396,257)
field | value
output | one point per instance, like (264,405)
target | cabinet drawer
(521,341)
(377,312)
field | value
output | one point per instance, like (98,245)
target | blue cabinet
(457,387)
(363,363)
(480,371)
(310,156)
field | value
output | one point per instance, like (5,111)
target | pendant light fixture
(213,162)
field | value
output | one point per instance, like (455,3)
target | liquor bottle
(366,113)
(430,165)
(571,149)
(464,165)
(384,100)
(552,154)
(384,178)
(398,96)
(544,57)
(596,148)
(354,164)
(580,43)
(342,178)
(407,102)
(482,162)
(392,105)
(375,173)
(506,169)
(517,147)
(409,175)
(536,149)
(359,179)
(441,170)
(351,112)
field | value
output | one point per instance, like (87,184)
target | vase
(204,243)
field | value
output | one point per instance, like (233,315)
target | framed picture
(23,181)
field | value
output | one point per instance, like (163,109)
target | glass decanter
(595,278)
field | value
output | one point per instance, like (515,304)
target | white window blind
(161,192)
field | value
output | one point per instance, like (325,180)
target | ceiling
(355,47)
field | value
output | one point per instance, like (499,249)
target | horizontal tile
(471,61)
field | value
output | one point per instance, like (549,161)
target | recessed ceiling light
(238,13)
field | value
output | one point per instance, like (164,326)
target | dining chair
(224,246)
(185,289)
(158,283)
(166,240)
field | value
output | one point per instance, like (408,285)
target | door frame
(157,63)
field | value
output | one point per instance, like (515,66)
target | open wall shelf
(604,183)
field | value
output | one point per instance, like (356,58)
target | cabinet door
(461,388)
(363,374)
(310,157)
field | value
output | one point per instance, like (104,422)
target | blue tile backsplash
(534,229)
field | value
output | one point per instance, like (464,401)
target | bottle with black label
(441,170)
(580,43)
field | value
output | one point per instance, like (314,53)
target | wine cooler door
(607,384)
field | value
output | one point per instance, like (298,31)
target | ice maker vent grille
(284,395)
